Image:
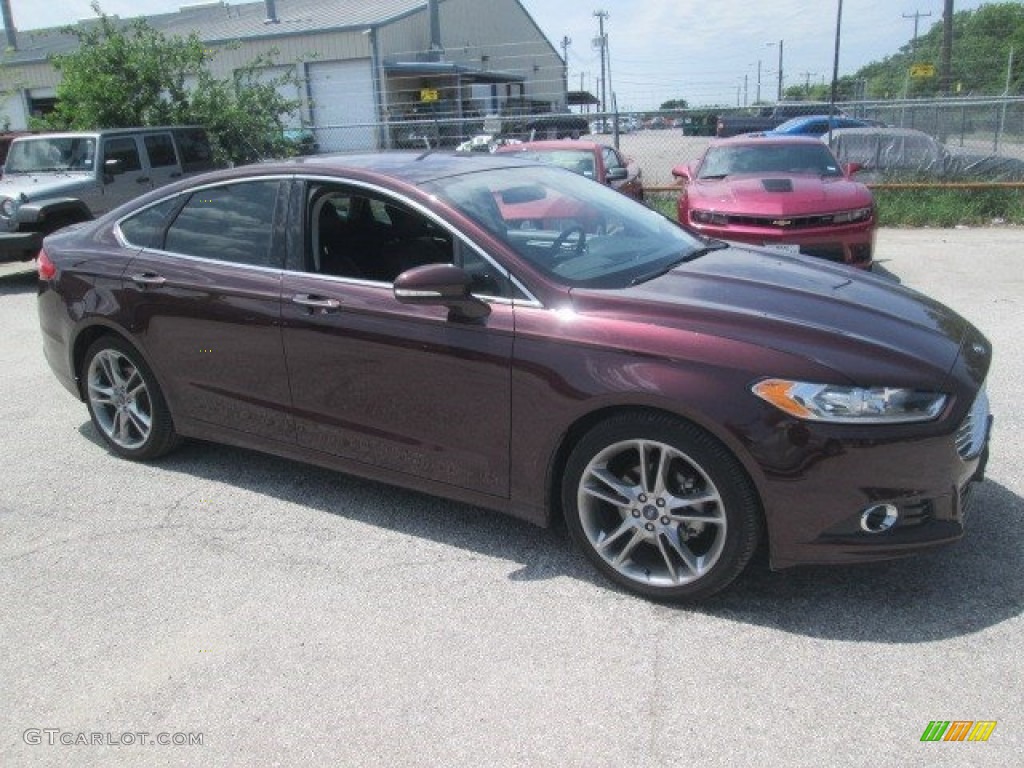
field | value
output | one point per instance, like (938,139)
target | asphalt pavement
(225,608)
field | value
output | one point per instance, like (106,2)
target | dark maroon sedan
(675,399)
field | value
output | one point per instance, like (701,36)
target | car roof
(590,146)
(874,130)
(761,140)
(412,167)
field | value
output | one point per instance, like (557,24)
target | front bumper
(926,479)
(853,244)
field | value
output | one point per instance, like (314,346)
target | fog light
(879,518)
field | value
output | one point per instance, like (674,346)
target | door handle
(176,175)
(148,279)
(316,302)
(142,180)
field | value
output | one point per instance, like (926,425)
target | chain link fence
(990,132)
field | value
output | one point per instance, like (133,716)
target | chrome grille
(970,437)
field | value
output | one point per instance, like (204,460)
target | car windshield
(811,158)
(575,231)
(579,161)
(70,153)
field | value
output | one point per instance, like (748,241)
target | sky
(667,49)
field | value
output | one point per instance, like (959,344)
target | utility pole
(602,42)
(780,71)
(758,82)
(566,42)
(916,16)
(807,82)
(835,62)
(946,75)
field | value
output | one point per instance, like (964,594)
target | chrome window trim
(528,300)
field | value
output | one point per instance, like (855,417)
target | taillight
(47,269)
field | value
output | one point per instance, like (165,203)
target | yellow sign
(922,70)
(428,94)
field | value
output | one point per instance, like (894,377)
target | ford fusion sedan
(677,401)
(783,193)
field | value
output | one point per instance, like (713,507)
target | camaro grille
(970,437)
(783,223)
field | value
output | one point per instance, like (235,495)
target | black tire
(627,520)
(125,402)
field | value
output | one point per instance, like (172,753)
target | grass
(925,207)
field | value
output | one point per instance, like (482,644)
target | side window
(194,146)
(359,235)
(233,222)
(488,280)
(124,150)
(146,228)
(160,149)
(611,159)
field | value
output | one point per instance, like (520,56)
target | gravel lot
(292,615)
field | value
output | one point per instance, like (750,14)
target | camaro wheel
(660,506)
(125,402)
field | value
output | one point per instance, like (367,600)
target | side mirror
(111,168)
(442,285)
(683,173)
(852,168)
(617,174)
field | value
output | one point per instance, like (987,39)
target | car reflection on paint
(513,335)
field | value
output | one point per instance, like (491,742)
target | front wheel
(125,402)
(660,507)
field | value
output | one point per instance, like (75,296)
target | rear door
(205,296)
(161,159)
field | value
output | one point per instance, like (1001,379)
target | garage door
(343,106)
(287,89)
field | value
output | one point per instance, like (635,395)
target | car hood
(35,186)
(866,328)
(782,194)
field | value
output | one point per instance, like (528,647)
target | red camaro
(789,194)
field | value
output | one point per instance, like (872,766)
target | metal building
(366,71)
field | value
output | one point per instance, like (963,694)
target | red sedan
(785,193)
(587,158)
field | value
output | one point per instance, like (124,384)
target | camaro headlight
(849,217)
(709,217)
(850,405)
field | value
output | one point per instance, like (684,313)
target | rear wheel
(125,402)
(660,507)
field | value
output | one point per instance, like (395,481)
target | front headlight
(8,207)
(849,217)
(709,217)
(850,405)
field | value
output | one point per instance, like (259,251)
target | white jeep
(55,179)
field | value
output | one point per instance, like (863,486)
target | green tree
(674,104)
(982,40)
(125,75)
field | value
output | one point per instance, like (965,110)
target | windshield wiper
(709,246)
(713,177)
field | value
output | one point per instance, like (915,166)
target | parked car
(816,125)
(906,154)
(673,398)
(587,158)
(784,193)
(766,118)
(55,179)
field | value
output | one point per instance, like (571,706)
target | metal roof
(221,22)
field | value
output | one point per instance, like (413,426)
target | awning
(451,69)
